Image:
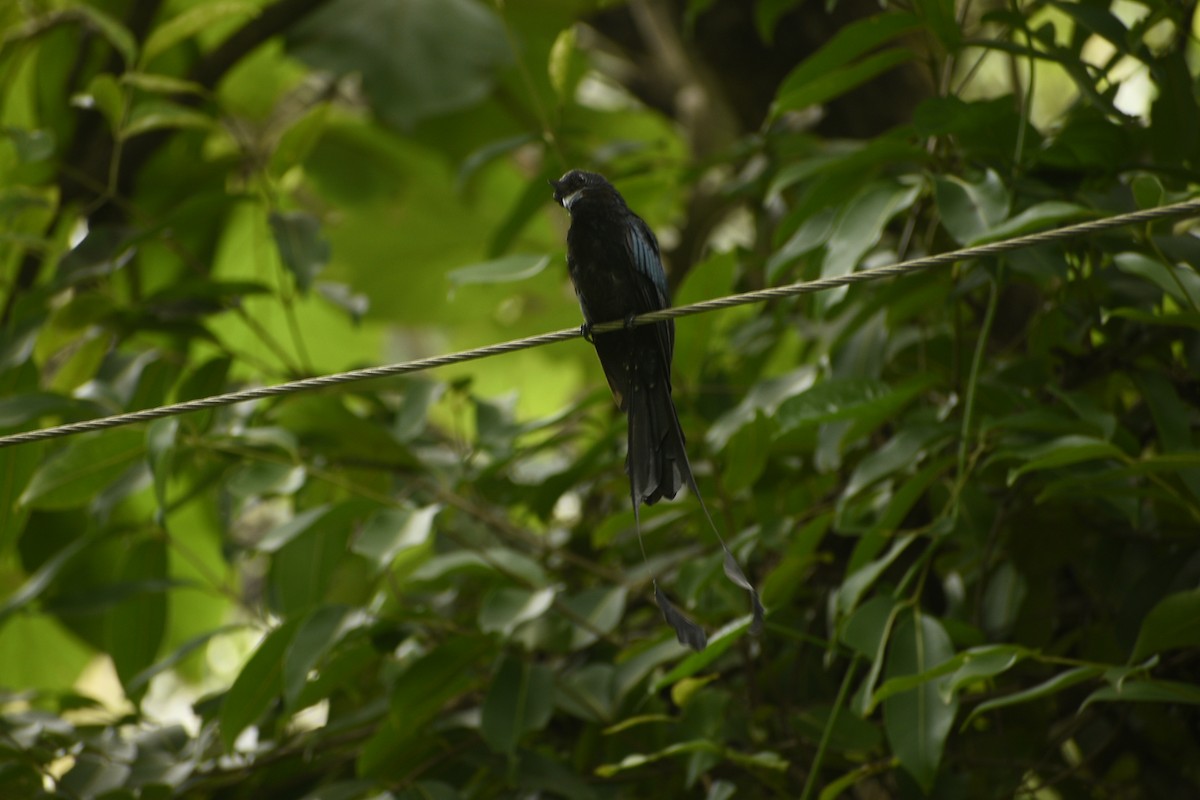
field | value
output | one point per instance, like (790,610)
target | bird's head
(576,184)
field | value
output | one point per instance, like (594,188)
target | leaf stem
(827,733)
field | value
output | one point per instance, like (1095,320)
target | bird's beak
(557,191)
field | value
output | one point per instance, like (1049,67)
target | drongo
(615,265)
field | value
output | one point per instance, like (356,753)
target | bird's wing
(647,261)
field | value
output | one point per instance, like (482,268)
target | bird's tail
(658,466)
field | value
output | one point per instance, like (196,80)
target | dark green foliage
(971,496)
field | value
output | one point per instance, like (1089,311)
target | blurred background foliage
(971,496)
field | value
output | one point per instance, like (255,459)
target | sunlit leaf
(392,530)
(504,608)
(191,22)
(501,270)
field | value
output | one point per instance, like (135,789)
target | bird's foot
(585,330)
(629,318)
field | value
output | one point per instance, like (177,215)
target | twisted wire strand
(1183,209)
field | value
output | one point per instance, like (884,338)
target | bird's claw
(629,318)
(585,330)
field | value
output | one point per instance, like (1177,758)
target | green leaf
(765,397)
(138,683)
(160,450)
(17,466)
(1172,420)
(718,644)
(839,81)
(31,145)
(767,14)
(191,22)
(589,692)
(75,474)
(302,568)
(355,304)
(1147,191)
(302,249)
(104,95)
(1173,623)
(501,270)
(419,397)
(1145,691)
(505,608)
(1003,597)
(1059,683)
(433,680)
(1098,20)
(984,128)
(319,633)
(1174,105)
(392,530)
(92,775)
(257,478)
(746,453)
(99,21)
(160,115)
(812,233)
(1178,282)
(898,454)
(865,630)
(489,562)
(600,607)
(281,534)
(37,583)
(764,760)
(137,626)
(940,17)
(980,663)
(830,400)
(918,721)
(520,700)
(1035,218)
(567,65)
(417,58)
(907,683)
(860,227)
(1062,452)
(860,580)
(487,154)
(257,685)
(829,71)
(161,84)
(969,210)
(20,410)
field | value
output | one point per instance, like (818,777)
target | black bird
(616,268)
